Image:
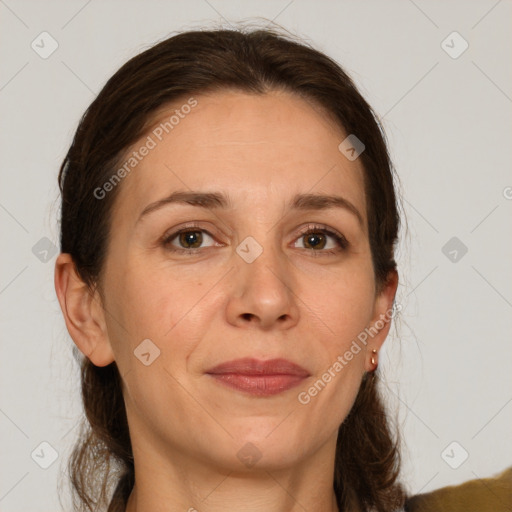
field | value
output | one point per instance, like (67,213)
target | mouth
(259,378)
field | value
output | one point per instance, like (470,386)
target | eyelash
(338,237)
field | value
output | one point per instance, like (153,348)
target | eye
(188,240)
(316,240)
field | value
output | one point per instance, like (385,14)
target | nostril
(247,316)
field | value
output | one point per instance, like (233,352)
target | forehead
(256,148)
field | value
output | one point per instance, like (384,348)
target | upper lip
(250,366)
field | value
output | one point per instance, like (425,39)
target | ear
(381,321)
(83,313)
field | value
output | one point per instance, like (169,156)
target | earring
(374,354)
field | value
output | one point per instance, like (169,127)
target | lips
(261,378)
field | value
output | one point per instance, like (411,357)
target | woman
(227,273)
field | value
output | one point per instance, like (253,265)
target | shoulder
(480,495)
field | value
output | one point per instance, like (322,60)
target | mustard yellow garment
(480,495)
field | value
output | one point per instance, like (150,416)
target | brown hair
(193,62)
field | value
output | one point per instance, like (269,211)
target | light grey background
(448,121)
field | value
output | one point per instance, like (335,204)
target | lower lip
(259,385)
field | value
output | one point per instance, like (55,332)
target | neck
(179,484)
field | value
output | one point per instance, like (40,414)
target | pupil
(311,239)
(192,238)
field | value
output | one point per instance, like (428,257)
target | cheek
(340,302)
(149,302)
(143,295)
(329,399)
(343,309)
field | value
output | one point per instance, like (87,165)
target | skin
(293,301)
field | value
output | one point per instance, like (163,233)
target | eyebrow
(216,200)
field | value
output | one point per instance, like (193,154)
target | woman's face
(244,283)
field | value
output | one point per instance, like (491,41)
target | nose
(262,294)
